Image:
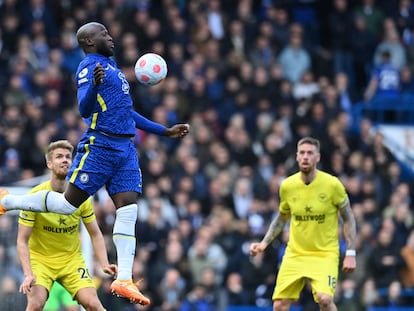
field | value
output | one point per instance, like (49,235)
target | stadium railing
(399,110)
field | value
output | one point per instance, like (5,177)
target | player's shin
(124,239)
(41,201)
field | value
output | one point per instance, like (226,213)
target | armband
(350,252)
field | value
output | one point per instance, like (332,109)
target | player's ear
(49,164)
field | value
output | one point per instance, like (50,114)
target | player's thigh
(91,169)
(75,276)
(127,177)
(290,281)
(58,296)
(45,275)
(324,276)
(36,298)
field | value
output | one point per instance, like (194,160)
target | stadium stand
(251,77)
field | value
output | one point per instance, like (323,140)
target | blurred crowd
(251,77)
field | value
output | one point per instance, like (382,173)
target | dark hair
(386,54)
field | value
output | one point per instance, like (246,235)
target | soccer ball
(150,69)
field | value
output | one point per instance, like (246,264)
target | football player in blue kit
(106,154)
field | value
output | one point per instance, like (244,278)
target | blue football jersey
(112,107)
(388,78)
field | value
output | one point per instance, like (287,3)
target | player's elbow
(84,111)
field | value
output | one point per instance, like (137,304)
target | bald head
(88,31)
(93,37)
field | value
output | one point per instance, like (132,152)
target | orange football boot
(129,290)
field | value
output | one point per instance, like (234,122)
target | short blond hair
(64,144)
(310,140)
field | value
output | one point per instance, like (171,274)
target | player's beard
(105,50)
(307,170)
(61,175)
(304,169)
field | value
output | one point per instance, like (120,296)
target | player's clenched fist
(98,74)
(256,248)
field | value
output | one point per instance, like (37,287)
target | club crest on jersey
(84,178)
(322,197)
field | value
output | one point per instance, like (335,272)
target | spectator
(280,21)
(262,53)
(197,300)
(171,290)
(369,294)
(10,298)
(407,81)
(385,81)
(294,58)
(213,287)
(255,271)
(408,40)
(391,42)
(385,261)
(393,297)
(372,14)
(229,237)
(234,291)
(340,27)
(348,296)
(403,15)
(363,44)
(205,253)
(242,197)
(235,41)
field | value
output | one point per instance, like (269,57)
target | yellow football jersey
(55,236)
(314,213)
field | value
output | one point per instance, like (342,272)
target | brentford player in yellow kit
(313,202)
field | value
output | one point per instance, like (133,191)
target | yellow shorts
(72,274)
(322,272)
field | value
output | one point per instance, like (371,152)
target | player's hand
(349,264)
(27,284)
(178,130)
(98,74)
(256,248)
(110,269)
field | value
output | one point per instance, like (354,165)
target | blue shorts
(105,160)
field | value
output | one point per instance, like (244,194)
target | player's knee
(93,304)
(324,300)
(35,305)
(281,305)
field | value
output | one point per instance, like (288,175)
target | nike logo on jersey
(109,67)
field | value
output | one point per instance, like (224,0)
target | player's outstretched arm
(99,248)
(275,227)
(175,131)
(349,264)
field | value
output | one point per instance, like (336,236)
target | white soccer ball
(150,69)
